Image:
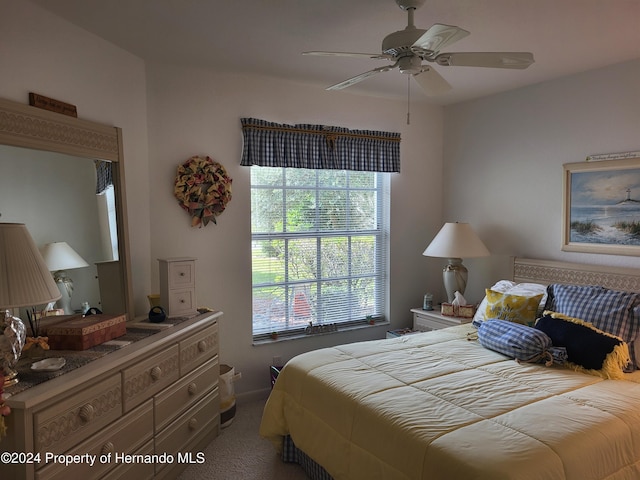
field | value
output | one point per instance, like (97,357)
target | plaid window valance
(269,144)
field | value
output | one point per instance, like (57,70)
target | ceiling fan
(409,47)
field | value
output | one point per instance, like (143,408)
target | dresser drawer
(137,471)
(181,274)
(175,399)
(423,324)
(147,378)
(198,348)
(203,416)
(69,421)
(124,436)
(182,302)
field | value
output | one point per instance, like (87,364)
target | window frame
(380,233)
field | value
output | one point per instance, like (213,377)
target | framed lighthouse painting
(601,208)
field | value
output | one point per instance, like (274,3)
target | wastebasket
(227,394)
(274,371)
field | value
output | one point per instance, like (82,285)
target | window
(319,243)
(319,224)
(106,197)
(107,223)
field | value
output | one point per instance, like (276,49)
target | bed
(440,405)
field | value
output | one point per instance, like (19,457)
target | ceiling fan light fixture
(410,64)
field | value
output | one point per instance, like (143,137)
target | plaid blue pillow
(611,311)
(525,344)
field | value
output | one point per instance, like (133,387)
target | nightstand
(426,320)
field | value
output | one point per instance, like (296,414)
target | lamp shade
(60,256)
(25,279)
(456,240)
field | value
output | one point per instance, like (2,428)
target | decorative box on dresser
(427,320)
(178,285)
(156,399)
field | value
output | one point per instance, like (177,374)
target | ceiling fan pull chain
(408,100)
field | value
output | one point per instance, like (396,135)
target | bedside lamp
(25,281)
(455,241)
(59,257)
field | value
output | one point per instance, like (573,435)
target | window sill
(285,338)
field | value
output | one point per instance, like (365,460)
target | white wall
(197,112)
(42,53)
(503,158)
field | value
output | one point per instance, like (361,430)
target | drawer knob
(192,389)
(108,447)
(156,373)
(193,424)
(86,413)
(202,345)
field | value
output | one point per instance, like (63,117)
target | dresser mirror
(49,164)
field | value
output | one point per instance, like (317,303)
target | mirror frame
(30,127)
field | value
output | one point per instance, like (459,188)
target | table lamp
(59,256)
(25,281)
(455,241)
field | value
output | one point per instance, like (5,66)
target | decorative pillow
(611,311)
(507,286)
(589,349)
(515,308)
(525,344)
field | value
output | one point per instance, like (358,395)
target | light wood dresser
(144,411)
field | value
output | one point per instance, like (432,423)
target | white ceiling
(267,37)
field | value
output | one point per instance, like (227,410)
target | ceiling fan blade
(432,82)
(437,37)
(348,54)
(486,59)
(359,78)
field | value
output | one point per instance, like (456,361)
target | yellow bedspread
(440,407)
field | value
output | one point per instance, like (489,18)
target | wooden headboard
(551,271)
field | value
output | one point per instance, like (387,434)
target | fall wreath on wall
(203,189)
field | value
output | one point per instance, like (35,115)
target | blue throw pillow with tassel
(521,342)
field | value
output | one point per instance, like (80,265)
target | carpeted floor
(239,453)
